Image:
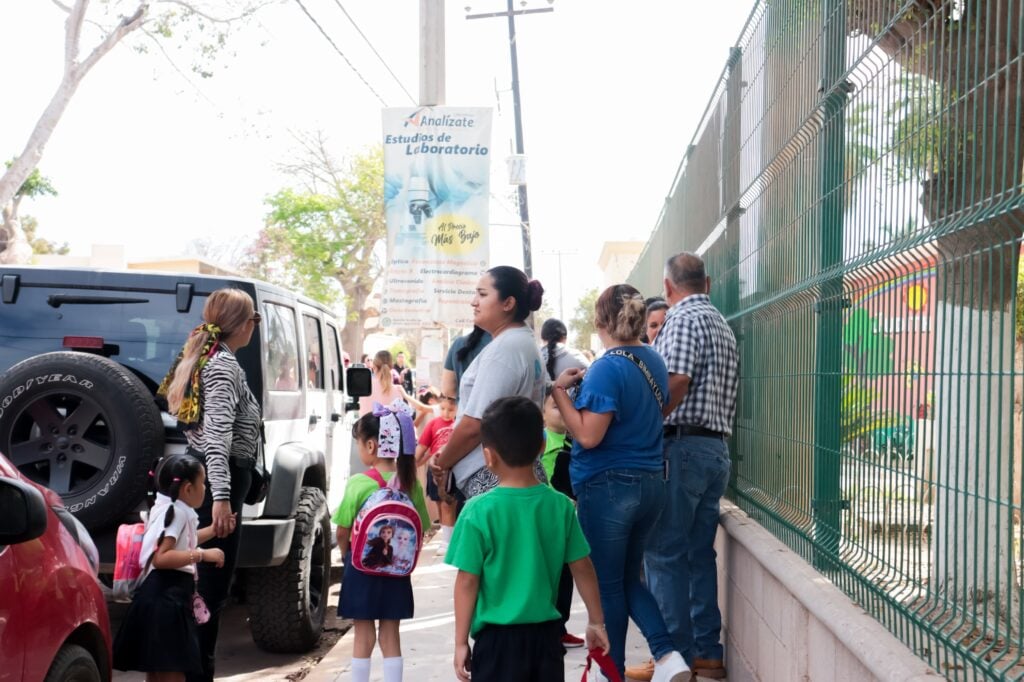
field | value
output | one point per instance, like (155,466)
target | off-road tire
(287,603)
(83,426)
(73,664)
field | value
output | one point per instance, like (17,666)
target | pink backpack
(387,533)
(128,571)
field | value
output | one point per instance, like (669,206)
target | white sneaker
(672,668)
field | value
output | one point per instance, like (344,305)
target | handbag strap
(643,368)
(261,445)
(604,663)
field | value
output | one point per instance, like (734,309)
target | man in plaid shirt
(703,363)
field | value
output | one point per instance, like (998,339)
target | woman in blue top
(616,470)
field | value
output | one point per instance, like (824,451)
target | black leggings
(215,583)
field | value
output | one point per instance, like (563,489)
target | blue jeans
(680,557)
(618,509)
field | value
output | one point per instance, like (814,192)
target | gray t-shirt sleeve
(498,379)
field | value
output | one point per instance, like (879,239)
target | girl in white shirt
(158,634)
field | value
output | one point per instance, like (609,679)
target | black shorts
(432,493)
(519,653)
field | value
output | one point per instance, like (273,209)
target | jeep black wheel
(287,603)
(83,426)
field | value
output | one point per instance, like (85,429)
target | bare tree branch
(64,7)
(73,34)
(217,20)
(127,25)
(163,51)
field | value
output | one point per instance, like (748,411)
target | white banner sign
(436,197)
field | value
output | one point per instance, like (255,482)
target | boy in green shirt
(510,545)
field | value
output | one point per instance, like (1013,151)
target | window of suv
(145,332)
(332,358)
(281,362)
(314,353)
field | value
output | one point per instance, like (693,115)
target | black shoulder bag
(260,482)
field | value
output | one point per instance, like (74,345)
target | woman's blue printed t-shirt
(634,437)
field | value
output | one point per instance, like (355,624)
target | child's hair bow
(397,434)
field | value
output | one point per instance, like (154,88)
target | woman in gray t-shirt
(509,365)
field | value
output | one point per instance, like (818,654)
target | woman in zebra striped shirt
(207,391)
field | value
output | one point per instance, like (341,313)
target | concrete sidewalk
(428,639)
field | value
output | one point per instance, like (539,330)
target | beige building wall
(617,260)
(112,257)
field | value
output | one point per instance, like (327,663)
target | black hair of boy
(514,428)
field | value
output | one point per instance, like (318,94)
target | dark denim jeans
(680,558)
(215,583)
(618,509)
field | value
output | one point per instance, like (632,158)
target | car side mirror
(358,382)
(22,512)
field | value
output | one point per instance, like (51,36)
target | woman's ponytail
(553,331)
(472,341)
(552,347)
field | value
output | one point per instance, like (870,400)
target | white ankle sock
(446,534)
(393,669)
(360,670)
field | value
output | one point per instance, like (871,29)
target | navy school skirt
(158,633)
(374,597)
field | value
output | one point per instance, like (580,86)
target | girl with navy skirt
(158,634)
(377,603)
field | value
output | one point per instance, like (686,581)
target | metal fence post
(827,505)
(732,144)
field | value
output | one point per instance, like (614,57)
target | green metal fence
(855,189)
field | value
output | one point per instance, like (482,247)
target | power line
(338,50)
(360,31)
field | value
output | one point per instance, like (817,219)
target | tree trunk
(14,245)
(973,565)
(354,333)
(971,198)
(74,71)
(28,160)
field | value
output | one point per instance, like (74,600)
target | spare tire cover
(83,426)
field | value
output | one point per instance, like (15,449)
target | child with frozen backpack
(376,603)
(158,634)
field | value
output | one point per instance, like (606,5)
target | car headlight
(81,536)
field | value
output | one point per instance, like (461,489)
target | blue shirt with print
(634,437)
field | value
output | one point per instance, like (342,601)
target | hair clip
(176,479)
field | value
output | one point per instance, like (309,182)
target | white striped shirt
(229,424)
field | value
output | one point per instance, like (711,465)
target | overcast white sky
(611,95)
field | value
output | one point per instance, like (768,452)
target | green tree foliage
(40,245)
(35,186)
(582,321)
(859,418)
(325,237)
